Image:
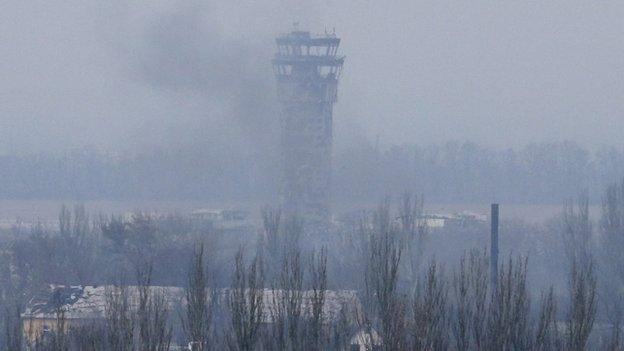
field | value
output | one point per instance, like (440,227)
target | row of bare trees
(141,317)
(276,296)
(461,311)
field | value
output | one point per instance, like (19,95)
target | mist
(311,175)
(133,76)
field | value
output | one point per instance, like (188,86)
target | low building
(223,218)
(77,305)
(459,219)
(80,306)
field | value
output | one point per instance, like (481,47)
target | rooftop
(89,302)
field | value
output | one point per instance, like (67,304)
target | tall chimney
(494,247)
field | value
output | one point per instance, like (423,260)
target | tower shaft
(307,70)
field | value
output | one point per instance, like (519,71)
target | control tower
(307,69)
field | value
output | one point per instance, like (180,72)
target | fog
(172,177)
(127,76)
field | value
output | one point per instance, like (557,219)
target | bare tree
(462,307)
(12,328)
(291,233)
(339,333)
(508,322)
(577,229)
(430,313)
(318,288)
(287,303)
(78,243)
(611,265)
(469,297)
(271,221)
(152,314)
(547,335)
(381,280)
(56,338)
(246,303)
(478,273)
(615,339)
(114,229)
(91,337)
(413,231)
(292,297)
(582,310)
(200,301)
(582,283)
(120,321)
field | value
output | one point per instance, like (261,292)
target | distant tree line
(451,172)
(157,175)
(469,173)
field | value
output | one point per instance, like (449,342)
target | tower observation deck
(307,69)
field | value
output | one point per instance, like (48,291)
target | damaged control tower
(307,69)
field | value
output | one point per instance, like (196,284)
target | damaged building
(307,69)
(82,306)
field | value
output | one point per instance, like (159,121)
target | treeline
(468,173)
(451,172)
(80,175)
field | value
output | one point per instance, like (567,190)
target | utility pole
(494,247)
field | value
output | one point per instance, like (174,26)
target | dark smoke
(231,79)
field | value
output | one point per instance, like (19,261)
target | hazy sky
(124,75)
